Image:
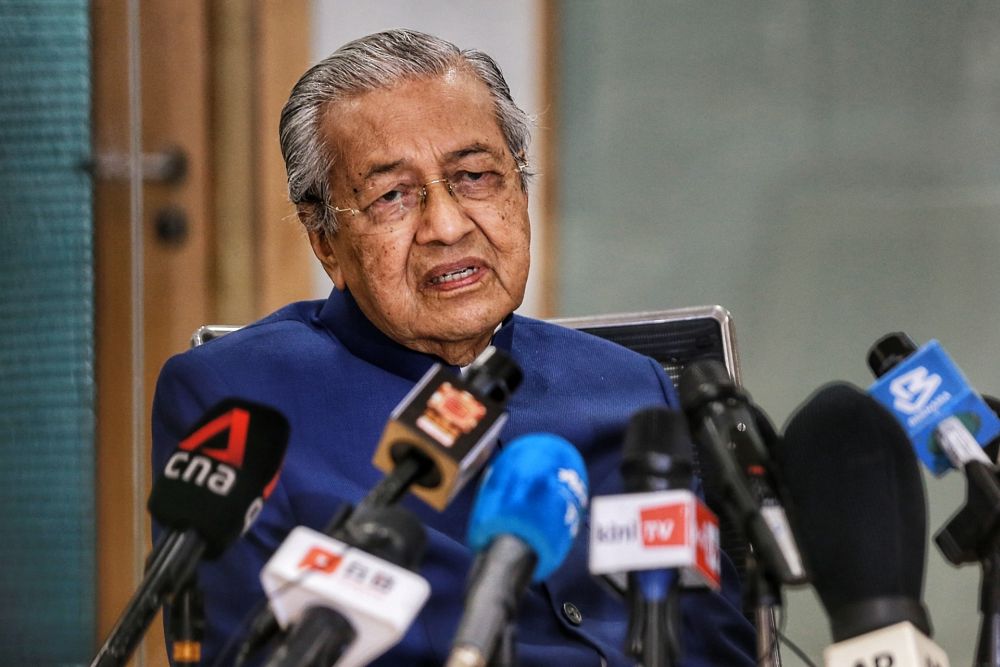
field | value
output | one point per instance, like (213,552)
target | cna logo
(237,422)
(663,526)
(214,468)
(319,559)
(913,390)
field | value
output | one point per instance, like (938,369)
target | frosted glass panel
(827,171)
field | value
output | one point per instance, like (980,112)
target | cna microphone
(445,429)
(522,525)
(658,531)
(929,395)
(347,601)
(861,519)
(211,490)
(723,422)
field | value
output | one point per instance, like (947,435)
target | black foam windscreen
(392,533)
(217,479)
(656,454)
(861,513)
(768,434)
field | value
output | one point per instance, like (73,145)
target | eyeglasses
(395,201)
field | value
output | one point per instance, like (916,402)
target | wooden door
(190,52)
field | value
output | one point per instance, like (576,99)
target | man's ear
(326,255)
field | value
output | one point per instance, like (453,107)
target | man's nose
(442,218)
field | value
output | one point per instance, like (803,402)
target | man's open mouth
(452,276)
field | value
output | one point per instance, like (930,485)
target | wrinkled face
(435,269)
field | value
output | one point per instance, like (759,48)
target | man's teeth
(453,276)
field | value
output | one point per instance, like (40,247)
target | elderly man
(407,163)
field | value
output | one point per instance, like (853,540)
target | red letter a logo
(237,422)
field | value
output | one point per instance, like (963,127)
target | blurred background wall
(826,171)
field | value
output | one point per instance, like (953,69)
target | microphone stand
(764,596)
(506,653)
(988,652)
(971,535)
(187,624)
(651,637)
(168,568)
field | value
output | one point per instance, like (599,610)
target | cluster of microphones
(844,473)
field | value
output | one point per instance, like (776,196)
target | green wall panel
(47,596)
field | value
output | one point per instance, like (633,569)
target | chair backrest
(674,338)
(208,332)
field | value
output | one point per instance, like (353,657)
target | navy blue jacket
(337,378)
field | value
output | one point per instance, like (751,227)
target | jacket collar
(343,318)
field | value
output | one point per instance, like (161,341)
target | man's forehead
(443,118)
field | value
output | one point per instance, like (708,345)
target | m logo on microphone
(913,390)
(925,388)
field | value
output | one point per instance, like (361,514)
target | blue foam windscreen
(535,490)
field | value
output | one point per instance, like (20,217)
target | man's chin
(460,332)
(472,314)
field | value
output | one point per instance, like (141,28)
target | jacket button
(572,614)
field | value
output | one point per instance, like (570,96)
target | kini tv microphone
(723,422)
(657,531)
(350,599)
(929,395)
(212,488)
(445,429)
(523,523)
(861,519)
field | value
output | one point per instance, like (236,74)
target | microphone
(350,599)
(862,521)
(211,490)
(445,429)
(657,528)
(941,412)
(723,422)
(522,526)
(927,392)
(437,438)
